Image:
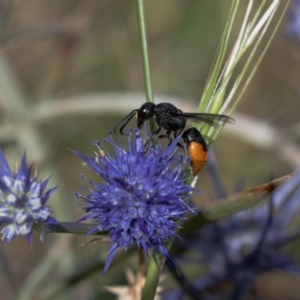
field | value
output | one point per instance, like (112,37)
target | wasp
(170,118)
(173,121)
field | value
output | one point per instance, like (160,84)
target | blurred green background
(69,70)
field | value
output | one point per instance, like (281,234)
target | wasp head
(144,113)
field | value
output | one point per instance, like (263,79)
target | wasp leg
(157,131)
(180,146)
(146,146)
(171,136)
(161,136)
(185,149)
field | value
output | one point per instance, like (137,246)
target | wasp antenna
(125,121)
(231,120)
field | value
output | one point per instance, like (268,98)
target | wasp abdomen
(198,155)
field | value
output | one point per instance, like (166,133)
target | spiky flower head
(143,194)
(248,243)
(22,200)
(293,20)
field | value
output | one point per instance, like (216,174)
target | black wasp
(173,120)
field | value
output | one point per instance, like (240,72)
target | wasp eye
(143,115)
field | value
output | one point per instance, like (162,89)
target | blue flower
(293,21)
(143,194)
(248,243)
(22,200)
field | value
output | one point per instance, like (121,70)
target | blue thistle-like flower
(248,243)
(22,200)
(143,194)
(293,21)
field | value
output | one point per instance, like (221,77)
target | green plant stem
(152,278)
(69,227)
(183,282)
(212,81)
(144,48)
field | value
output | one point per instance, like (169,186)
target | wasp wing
(210,119)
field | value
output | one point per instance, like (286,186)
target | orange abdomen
(198,156)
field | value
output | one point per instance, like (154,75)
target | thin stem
(141,263)
(140,274)
(144,46)
(152,278)
(182,281)
(69,227)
